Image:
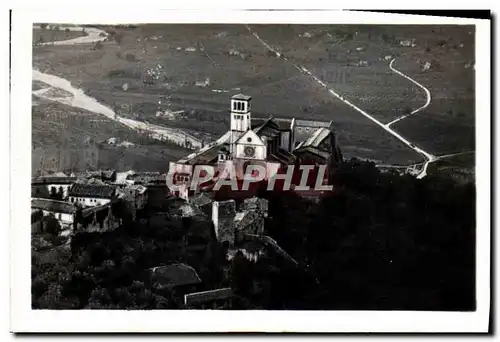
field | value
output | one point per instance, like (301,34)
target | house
(203,201)
(64,212)
(91,195)
(55,187)
(223,214)
(145,178)
(270,143)
(232,223)
(203,84)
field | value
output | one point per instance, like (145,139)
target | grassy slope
(460,167)
(52,35)
(446,126)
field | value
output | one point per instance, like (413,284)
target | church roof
(283,124)
(317,138)
(282,156)
(53,205)
(313,150)
(241,96)
(176,275)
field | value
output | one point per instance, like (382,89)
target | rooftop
(207,153)
(312,123)
(205,296)
(283,124)
(146,177)
(317,138)
(313,150)
(176,275)
(88,211)
(53,180)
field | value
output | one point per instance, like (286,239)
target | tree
(241,275)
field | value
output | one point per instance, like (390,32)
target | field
(149,68)
(65,138)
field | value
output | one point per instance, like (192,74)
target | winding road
(429,157)
(79,99)
(92,35)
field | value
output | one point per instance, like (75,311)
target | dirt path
(79,99)
(427,94)
(430,158)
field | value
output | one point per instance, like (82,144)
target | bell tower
(240,113)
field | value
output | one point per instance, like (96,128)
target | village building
(177,279)
(145,178)
(89,195)
(103,175)
(211,299)
(36,221)
(64,212)
(96,219)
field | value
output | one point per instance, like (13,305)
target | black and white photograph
(235,165)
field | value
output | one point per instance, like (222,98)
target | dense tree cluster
(383,241)
(109,270)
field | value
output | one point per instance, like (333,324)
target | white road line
(430,158)
(93,35)
(427,93)
(453,155)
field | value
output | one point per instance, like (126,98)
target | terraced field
(65,138)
